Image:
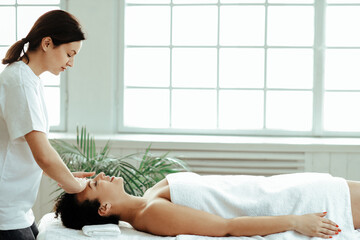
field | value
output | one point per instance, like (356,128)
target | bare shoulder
(159,190)
(156,206)
(154,213)
(161,183)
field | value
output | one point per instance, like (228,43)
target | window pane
(27,17)
(290,68)
(242,1)
(342,69)
(52,99)
(147,25)
(341,111)
(148,1)
(194,67)
(289,110)
(3,51)
(242,25)
(50,79)
(343,1)
(241,68)
(341,25)
(146,108)
(290,26)
(6,2)
(38,2)
(194,1)
(290,1)
(147,67)
(241,109)
(194,109)
(7,25)
(195,25)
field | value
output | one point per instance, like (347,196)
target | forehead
(75,46)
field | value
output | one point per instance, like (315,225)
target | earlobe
(45,43)
(104,209)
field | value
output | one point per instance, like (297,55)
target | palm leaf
(84,157)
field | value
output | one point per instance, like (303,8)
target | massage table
(51,228)
(302,193)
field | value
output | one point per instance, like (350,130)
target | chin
(119,181)
(55,73)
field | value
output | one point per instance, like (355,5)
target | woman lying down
(311,204)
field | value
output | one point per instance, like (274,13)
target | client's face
(103,188)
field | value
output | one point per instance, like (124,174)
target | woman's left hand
(83,174)
(315,225)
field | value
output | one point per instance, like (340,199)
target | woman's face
(57,59)
(103,188)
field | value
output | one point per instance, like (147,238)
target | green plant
(84,157)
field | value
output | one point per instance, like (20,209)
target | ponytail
(60,25)
(14,52)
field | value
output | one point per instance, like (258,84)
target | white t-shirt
(22,110)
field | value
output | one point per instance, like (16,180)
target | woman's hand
(80,177)
(315,225)
(75,188)
(83,174)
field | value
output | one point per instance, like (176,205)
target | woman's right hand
(79,187)
(315,225)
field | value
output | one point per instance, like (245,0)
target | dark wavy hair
(61,26)
(75,214)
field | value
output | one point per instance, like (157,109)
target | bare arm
(165,218)
(314,225)
(51,163)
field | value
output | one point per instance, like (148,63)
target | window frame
(319,48)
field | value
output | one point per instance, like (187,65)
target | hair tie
(25,40)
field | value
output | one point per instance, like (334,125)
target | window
(342,71)
(275,67)
(16,19)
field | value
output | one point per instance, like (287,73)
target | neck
(129,208)
(35,62)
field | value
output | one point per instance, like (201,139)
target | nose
(70,63)
(100,176)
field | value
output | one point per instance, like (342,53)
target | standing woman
(25,151)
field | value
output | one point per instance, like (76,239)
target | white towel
(233,196)
(101,230)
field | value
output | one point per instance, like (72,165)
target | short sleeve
(23,110)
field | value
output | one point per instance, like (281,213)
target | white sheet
(51,228)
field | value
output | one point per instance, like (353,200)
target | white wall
(91,83)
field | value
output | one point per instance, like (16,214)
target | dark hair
(61,26)
(75,215)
